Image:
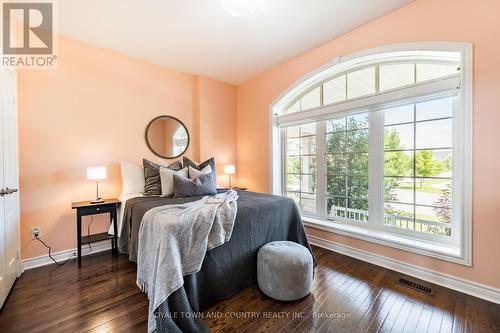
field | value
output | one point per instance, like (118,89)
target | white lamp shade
(96,173)
(229,169)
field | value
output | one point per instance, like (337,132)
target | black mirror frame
(151,148)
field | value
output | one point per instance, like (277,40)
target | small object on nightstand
(97,173)
(85,208)
(229,169)
(237,188)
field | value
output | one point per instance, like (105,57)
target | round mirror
(167,137)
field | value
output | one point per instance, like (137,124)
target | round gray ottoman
(285,270)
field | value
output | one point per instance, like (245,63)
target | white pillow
(167,180)
(132,178)
(193,173)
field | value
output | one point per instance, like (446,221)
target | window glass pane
(434,134)
(399,115)
(334,90)
(308,145)
(427,72)
(308,203)
(397,75)
(336,164)
(292,132)
(433,192)
(311,99)
(399,137)
(309,164)
(361,82)
(292,164)
(399,190)
(347,154)
(417,182)
(292,182)
(433,220)
(398,163)
(295,107)
(295,196)
(357,121)
(357,187)
(335,125)
(292,146)
(357,141)
(300,165)
(439,108)
(308,184)
(398,215)
(357,164)
(308,129)
(434,163)
(337,185)
(357,209)
(336,206)
(336,142)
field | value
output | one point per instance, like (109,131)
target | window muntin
(418,167)
(335,90)
(426,72)
(416,151)
(370,80)
(361,83)
(300,165)
(347,167)
(396,75)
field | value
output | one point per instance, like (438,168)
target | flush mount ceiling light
(240,8)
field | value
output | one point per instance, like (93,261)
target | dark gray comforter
(227,269)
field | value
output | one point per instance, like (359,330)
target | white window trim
(461,253)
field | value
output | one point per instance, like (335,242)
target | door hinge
(17,254)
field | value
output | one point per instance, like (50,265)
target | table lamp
(229,169)
(97,173)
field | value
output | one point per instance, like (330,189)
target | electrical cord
(50,255)
(50,248)
(88,231)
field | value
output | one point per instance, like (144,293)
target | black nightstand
(237,188)
(84,208)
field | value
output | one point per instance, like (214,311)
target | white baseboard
(63,255)
(465,286)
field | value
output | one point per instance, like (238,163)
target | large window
(381,148)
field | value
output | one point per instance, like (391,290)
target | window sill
(440,251)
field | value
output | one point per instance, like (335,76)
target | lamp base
(98,200)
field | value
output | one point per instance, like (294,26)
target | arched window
(378,146)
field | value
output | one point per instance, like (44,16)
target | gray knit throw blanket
(173,240)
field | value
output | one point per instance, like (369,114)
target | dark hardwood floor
(348,296)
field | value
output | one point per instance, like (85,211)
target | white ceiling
(199,37)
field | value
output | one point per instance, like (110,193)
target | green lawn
(425,186)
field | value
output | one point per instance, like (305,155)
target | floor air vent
(417,286)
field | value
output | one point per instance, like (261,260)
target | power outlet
(36,231)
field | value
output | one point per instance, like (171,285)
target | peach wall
(93,110)
(217,102)
(422,20)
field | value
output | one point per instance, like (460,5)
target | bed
(227,269)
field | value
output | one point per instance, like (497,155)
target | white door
(9,183)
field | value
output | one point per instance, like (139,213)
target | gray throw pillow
(211,161)
(152,181)
(203,185)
